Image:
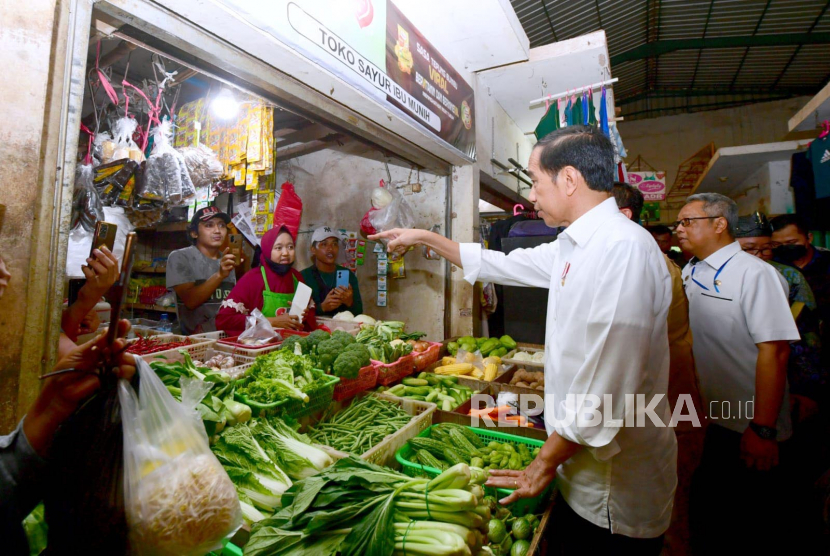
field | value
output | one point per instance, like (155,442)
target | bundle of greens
(276,376)
(217,406)
(361,426)
(386,341)
(337,354)
(357,508)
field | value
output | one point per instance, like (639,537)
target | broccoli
(347,365)
(361,351)
(315,338)
(343,336)
(327,352)
(289,342)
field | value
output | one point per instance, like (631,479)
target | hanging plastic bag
(103,147)
(289,209)
(87,208)
(125,147)
(258,330)
(178,498)
(162,178)
(397,214)
(202,164)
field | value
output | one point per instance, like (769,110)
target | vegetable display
(146,346)
(428,387)
(472,365)
(337,353)
(536,357)
(276,376)
(361,426)
(355,508)
(487,346)
(451,444)
(508,535)
(347,316)
(387,341)
(526,379)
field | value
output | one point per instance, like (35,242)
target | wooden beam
(311,133)
(308,148)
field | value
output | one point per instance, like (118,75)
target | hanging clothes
(563,106)
(603,113)
(549,122)
(575,112)
(585,108)
(592,116)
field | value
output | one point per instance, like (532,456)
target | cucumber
(415,382)
(446,405)
(398,390)
(417,390)
(432,395)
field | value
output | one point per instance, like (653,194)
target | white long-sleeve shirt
(606,333)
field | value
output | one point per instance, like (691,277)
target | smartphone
(235,243)
(120,288)
(104,235)
(342,279)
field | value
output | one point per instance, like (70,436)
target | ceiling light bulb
(224,106)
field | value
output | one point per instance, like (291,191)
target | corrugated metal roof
(676,56)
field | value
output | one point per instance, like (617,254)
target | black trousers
(572,535)
(736,510)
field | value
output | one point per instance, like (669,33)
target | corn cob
(490,371)
(456,369)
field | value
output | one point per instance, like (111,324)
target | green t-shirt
(320,291)
(819,155)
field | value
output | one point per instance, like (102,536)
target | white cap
(324,232)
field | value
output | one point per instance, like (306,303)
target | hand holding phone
(235,244)
(342,279)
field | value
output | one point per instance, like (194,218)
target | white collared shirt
(745,305)
(605,333)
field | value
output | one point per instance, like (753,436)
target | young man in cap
(321,276)
(202,274)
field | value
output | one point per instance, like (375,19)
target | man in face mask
(791,245)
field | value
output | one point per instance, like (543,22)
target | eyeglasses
(686,221)
(766,250)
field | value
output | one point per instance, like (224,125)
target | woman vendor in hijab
(269,288)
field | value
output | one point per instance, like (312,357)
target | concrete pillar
(465,194)
(39,39)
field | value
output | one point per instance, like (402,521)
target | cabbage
(345,316)
(365,319)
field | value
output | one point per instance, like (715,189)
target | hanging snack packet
(87,208)
(178,498)
(162,179)
(115,179)
(202,164)
(125,147)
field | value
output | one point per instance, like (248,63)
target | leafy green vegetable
(291,451)
(288,344)
(266,390)
(315,338)
(344,337)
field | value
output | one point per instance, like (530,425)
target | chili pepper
(146,346)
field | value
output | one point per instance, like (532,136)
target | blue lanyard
(715,282)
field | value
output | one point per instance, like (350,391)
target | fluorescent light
(224,106)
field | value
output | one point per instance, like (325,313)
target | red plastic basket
(426,358)
(393,372)
(350,387)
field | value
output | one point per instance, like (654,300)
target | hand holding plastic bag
(397,214)
(178,498)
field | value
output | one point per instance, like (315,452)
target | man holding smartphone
(202,275)
(333,287)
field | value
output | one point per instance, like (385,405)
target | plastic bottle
(164,323)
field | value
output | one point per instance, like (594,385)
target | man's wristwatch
(767,433)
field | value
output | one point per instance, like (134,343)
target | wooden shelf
(144,307)
(813,113)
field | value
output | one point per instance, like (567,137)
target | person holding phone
(333,287)
(202,275)
(269,288)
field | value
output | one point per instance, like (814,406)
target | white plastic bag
(202,164)
(258,330)
(397,214)
(122,135)
(178,498)
(80,241)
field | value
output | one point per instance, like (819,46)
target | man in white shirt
(742,325)
(605,336)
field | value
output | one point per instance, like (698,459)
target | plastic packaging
(87,208)
(103,147)
(125,147)
(162,179)
(397,214)
(202,164)
(258,330)
(164,323)
(178,498)
(115,181)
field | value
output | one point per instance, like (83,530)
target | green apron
(271,301)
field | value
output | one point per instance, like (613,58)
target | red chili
(145,346)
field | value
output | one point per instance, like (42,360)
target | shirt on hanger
(819,155)
(549,122)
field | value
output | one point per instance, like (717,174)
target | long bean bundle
(361,426)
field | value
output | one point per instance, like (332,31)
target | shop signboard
(373,46)
(651,184)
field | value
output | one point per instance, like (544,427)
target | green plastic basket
(319,398)
(229,549)
(519,508)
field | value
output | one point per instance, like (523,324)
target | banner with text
(374,47)
(651,184)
